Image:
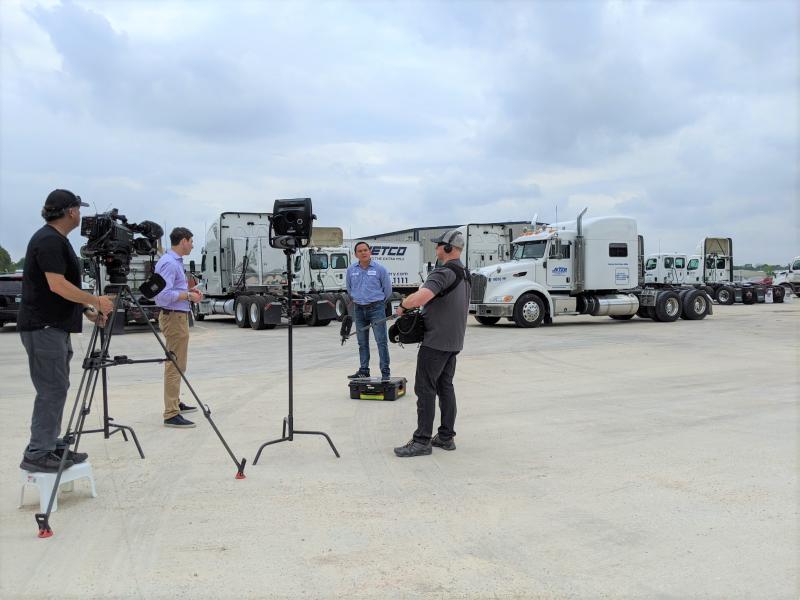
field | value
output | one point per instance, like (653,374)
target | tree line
(7,265)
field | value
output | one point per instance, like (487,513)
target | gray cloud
(392,115)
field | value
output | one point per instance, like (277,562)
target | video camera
(111,240)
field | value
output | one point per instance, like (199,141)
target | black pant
(435,371)
(49,352)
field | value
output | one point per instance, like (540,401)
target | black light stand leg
(205,409)
(288,421)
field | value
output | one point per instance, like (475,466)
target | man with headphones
(445,298)
(51,309)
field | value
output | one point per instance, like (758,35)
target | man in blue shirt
(370,286)
(174,302)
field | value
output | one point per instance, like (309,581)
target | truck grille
(478,288)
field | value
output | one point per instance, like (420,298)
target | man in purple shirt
(174,302)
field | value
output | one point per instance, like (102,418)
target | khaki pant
(175,327)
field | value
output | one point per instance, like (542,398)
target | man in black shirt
(51,308)
(445,298)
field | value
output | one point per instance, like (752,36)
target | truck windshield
(530,250)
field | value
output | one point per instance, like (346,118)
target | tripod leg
(205,409)
(95,364)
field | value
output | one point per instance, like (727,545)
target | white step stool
(45,481)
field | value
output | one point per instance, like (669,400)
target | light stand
(289,431)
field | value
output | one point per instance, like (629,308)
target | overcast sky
(401,114)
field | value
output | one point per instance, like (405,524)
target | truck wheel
(778,294)
(241,311)
(787,289)
(487,320)
(643,312)
(668,307)
(726,295)
(529,311)
(196,314)
(710,291)
(748,295)
(695,305)
(256,312)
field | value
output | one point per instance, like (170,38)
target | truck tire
(643,312)
(695,305)
(241,311)
(529,311)
(710,291)
(196,314)
(787,289)
(726,295)
(487,320)
(748,295)
(256,312)
(778,294)
(668,307)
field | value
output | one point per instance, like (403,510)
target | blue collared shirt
(170,267)
(369,285)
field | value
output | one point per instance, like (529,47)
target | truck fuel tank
(611,305)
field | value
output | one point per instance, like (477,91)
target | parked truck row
(710,268)
(588,266)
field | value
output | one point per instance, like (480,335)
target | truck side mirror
(192,266)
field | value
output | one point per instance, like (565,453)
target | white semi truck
(588,266)
(789,280)
(243,276)
(716,255)
(672,268)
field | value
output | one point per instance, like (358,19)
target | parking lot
(596,459)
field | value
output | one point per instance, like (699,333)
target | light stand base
(290,438)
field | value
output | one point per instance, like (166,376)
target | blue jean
(368,315)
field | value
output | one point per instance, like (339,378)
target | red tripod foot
(44,526)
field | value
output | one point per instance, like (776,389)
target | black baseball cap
(58,199)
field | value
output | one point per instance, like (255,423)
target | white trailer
(592,266)
(486,243)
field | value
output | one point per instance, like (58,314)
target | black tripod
(95,364)
(288,422)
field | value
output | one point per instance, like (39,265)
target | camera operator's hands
(98,318)
(104,304)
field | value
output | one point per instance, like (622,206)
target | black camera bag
(410,326)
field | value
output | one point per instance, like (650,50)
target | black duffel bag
(409,328)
